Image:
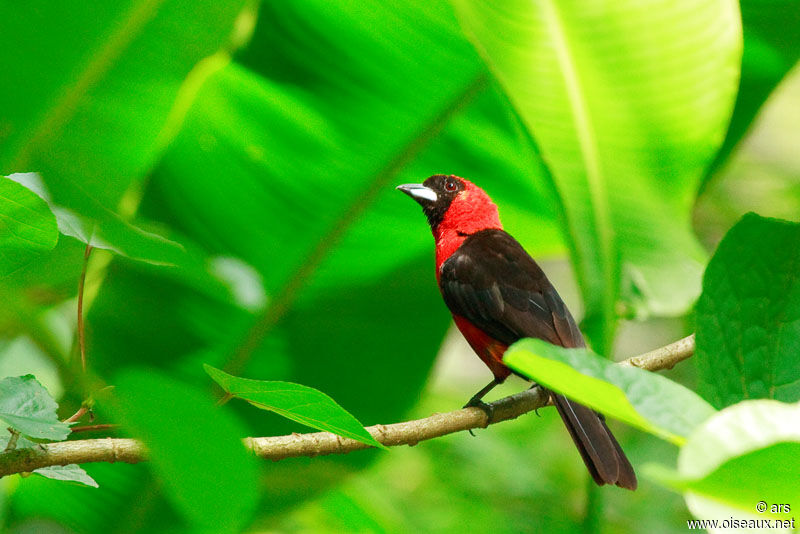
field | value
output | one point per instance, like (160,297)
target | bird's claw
(535,410)
(488,409)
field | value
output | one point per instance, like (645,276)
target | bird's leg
(476,402)
(535,410)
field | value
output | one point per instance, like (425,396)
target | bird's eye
(450,185)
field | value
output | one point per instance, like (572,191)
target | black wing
(492,282)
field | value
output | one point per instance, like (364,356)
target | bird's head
(453,204)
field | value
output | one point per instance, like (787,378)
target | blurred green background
(234,165)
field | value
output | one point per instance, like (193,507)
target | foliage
(742,455)
(297,402)
(614,125)
(27,407)
(223,173)
(28,226)
(768,56)
(625,393)
(194,447)
(28,411)
(748,319)
(749,445)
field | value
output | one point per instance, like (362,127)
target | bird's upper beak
(422,194)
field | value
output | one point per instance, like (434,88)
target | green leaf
(27,227)
(748,317)
(195,448)
(81,509)
(90,222)
(628,104)
(299,403)
(69,473)
(743,428)
(97,112)
(29,409)
(95,225)
(771,48)
(640,398)
(744,454)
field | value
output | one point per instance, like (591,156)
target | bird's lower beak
(420,193)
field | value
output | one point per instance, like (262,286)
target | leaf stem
(224,399)
(81,285)
(77,415)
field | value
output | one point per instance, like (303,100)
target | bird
(498,294)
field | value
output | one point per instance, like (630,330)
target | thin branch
(323,443)
(665,357)
(72,452)
(77,415)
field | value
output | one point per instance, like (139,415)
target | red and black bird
(498,294)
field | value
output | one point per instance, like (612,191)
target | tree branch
(323,443)
(665,357)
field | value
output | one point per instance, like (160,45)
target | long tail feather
(599,449)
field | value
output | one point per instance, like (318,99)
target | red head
(456,208)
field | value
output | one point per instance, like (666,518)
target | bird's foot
(535,410)
(488,409)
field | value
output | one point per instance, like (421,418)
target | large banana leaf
(628,102)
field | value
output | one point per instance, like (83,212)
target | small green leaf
(748,317)
(26,406)
(743,454)
(196,449)
(84,218)
(640,398)
(27,226)
(69,473)
(88,221)
(299,403)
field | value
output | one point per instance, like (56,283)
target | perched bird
(497,295)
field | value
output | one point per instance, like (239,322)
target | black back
(491,281)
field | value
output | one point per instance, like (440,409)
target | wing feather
(492,282)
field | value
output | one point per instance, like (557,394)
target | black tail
(599,449)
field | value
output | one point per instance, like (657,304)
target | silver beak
(419,192)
